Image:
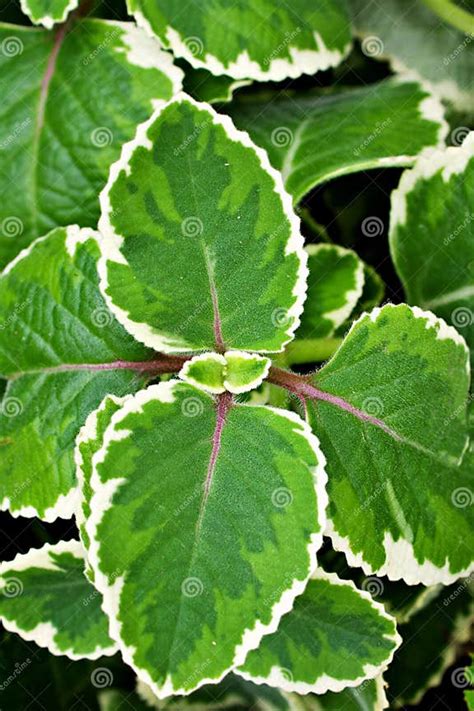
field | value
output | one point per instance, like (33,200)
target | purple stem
(164,364)
(302,388)
(223,405)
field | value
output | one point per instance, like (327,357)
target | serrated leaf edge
(102,501)
(305,61)
(48,21)
(352,296)
(325,683)
(44,633)
(111,242)
(449,161)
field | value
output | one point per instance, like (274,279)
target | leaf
(88,442)
(232,692)
(335,284)
(432,235)
(204,86)
(372,293)
(369,696)
(411,36)
(207,254)
(469,693)
(62,351)
(259,39)
(431,640)
(70,100)
(48,12)
(390,411)
(236,693)
(45,598)
(235,371)
(312,138)
(335,636)
(211,540)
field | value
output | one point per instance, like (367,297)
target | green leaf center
(234,371)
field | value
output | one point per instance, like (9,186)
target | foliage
(267,473)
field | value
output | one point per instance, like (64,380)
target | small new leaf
(235,371)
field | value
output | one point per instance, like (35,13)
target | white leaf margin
(146,52)
(222,360)
(449,161)
(430,108)
(400,562)
(324,683)
(87,434)
(352,296)
(111,242)
(48,21)
(244,355)
(304,61)
(298,703)
(44,634)
(102,501)
(65,505)
(461,634)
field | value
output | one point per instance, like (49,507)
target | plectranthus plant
(258,457)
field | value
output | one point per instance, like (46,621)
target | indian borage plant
(201,512)
(201,516)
